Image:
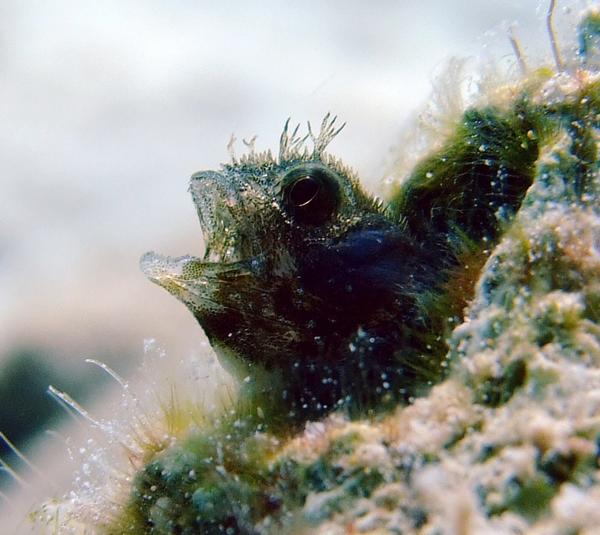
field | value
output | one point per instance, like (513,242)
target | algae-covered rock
(509,441)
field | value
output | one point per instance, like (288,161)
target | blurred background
(106,108)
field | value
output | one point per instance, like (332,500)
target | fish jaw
(188,278)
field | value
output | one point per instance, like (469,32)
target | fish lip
(167,272)
(196,288)
(158,267)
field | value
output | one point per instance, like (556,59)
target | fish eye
(311,194)
(304,191)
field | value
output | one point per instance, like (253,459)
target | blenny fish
(318,296)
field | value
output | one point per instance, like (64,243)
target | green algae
(496,391)
(488,161)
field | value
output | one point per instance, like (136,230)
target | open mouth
(190,279)
(166,270)
(231,209)
(221,202)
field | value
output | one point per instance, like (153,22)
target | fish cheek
(227,333)
(240,325)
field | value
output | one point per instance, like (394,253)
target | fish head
(290,264)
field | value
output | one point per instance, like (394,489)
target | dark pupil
(311,194)
(304,191)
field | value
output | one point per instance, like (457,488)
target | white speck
(149,344)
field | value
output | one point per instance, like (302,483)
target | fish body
(318,296)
